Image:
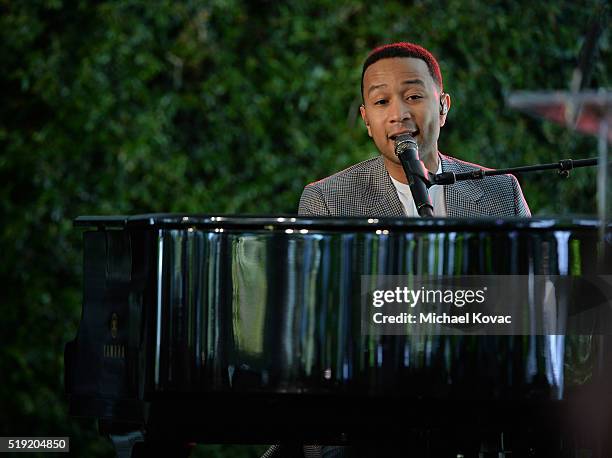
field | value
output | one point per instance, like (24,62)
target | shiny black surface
(178,308)
(330,223)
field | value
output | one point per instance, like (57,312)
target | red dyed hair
(404,49)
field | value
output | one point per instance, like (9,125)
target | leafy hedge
(230,107)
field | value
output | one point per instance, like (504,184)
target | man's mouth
(394,136)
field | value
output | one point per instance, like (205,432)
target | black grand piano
(248,330)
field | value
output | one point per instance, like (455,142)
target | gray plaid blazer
(365,189)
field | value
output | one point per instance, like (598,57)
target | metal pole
(602,184)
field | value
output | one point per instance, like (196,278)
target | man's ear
(364,116)
(445,104)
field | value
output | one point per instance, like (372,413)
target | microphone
(407,150)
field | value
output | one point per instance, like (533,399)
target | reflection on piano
(247,330)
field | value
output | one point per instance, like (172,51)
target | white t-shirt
(436,193)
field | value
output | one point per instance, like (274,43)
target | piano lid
(359,224)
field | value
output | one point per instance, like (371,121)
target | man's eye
(380,102)
(414,97)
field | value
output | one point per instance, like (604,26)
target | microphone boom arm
(564,166)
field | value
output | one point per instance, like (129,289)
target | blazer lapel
(462,198)
(381,197)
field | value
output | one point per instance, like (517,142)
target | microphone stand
(564,166)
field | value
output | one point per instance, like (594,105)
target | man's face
(401,96)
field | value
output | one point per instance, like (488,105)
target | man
(402,92)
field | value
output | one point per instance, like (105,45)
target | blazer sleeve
(312,202)
(520,204)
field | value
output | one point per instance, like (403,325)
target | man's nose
(400,111)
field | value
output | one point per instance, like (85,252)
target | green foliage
(229,107)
